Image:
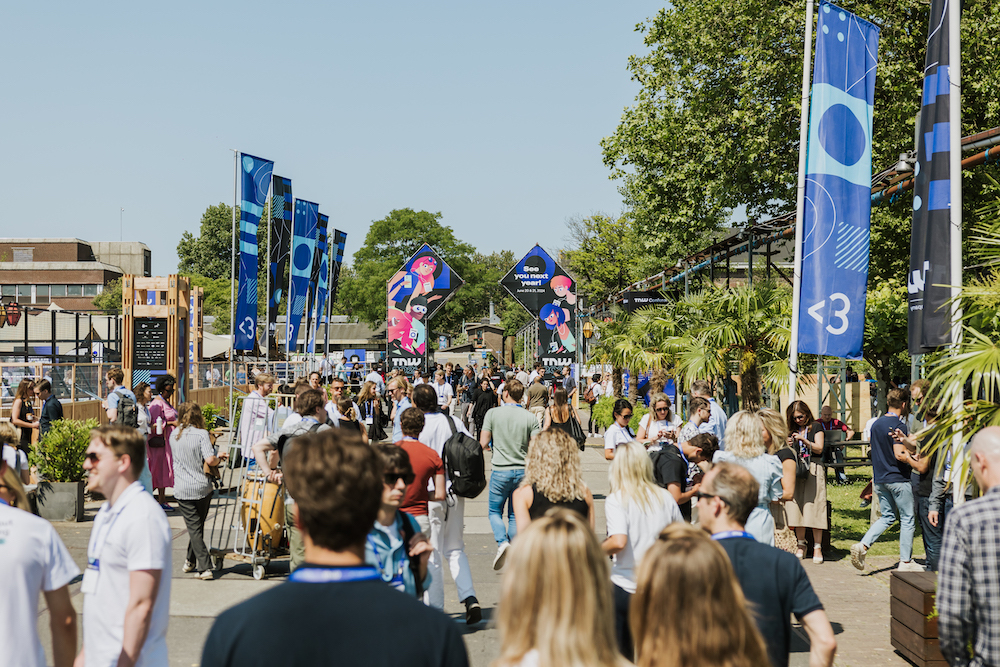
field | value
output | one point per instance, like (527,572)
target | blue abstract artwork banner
(303,245)
(321,260)
(255,180)
(835,230)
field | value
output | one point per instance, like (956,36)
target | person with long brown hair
(162,421)
(561,413)
(192,448)
(688,609)
(553,477)
(22,413)
(555,605)
(371,411)
(808,509)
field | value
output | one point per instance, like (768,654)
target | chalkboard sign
(150,344)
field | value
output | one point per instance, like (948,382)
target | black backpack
(465,462)
(128,411)
(284,439)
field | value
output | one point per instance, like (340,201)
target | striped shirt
(968,596)
(190,448)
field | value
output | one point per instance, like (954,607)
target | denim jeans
(894,498)
(503,483)
(932,534)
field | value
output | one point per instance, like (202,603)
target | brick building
(66,272)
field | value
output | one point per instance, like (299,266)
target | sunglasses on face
(700,494)
(626,415)
(662,409)
(391,478)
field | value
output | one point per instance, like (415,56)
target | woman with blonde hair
(689,609)
(555,605)
(192,448)
(659,426)
(553,477)
(745,447)
(636,510)
(14,457)
(371,411)
(775,437)
(12,491)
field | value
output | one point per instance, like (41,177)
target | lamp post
(121,225)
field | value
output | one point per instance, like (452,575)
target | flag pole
(955,211)
(800,194)
(267,268)
(232,287)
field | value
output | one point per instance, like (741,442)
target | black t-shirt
(669,467)
(777,584)
(357,623)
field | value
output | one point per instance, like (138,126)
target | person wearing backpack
(509,428)
(447,517)
(121,406)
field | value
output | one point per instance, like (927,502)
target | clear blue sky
(490,113)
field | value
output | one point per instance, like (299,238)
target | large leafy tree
(885,333)
(210,253)
(715,124)
(605,255)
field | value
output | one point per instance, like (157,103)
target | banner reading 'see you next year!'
(548,293)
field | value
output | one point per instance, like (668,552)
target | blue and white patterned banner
(303,244)
(321,262)
(838,186)
(254,184)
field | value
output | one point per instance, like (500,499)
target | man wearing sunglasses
(126,587)
(773,581)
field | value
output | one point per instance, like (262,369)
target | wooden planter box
(912,633)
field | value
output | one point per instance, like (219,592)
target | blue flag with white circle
(303,246)
(254,184)
(835,230)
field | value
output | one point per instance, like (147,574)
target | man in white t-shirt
(337,392)
(126,585)
(445,394)
(33,559)
(522,377)
(256,415)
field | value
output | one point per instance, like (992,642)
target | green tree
(216,300)
(606,256)
(885,333)
(715,124)
(110,299)
(210,253)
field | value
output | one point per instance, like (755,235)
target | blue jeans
(503,483)
(893,498)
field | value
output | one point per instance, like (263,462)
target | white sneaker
(910,566)
(858,553)
(207,575)
(501,556)
(188,566)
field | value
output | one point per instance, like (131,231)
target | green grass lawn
(851,521)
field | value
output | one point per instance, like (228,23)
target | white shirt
(660,426)
(641,527)
(523,378)
(531,378)
(377,379)
(598,389)
(15,458)
(32,559)
(616,435)
(333,413)
(436,432)
(255,422)
(131,535)
(417,381)
(444,392)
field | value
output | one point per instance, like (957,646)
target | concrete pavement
(858,604)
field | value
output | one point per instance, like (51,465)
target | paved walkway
(858,604)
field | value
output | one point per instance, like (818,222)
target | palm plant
(625,343)
(744,325)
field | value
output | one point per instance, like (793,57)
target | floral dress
(161,460)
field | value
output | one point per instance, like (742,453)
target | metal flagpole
(232,287)
(955,212)
(793,347)
(329,293)
(267,266)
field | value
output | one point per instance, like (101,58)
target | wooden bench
(913,634)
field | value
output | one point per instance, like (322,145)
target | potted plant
(59,459)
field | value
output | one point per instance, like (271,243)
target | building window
(74,290)
(24,294)
(8,290)
(41,293)
(147,263)
(23,254)
(57,290)
(90,290)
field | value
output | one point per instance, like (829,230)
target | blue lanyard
(326,575)
(4,502)
(725,535)
(393,576)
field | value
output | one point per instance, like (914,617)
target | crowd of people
(705,524)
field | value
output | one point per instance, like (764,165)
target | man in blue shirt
(397,389)
(51,407)
(892,484)
(717,422)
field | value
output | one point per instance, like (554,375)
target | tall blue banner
(281,247)
(321,261)
(835,231)
(254,183)
(303,245)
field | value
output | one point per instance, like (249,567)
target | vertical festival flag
(928,283)
(254,184)
(281,244)
(337,244)
(318,286)
(303,242)
(838,186)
